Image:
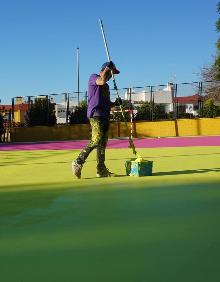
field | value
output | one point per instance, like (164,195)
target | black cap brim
(115,71)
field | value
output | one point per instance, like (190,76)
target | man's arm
(104,76)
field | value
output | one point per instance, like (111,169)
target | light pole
(77,55)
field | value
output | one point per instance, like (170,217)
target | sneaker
(76,169)
(105,173)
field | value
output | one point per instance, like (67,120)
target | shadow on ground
(188,171)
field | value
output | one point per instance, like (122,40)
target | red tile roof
(187,99)
(21,107)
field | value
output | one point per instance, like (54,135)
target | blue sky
(151,42)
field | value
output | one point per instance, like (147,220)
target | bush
(210,110)
(185,115)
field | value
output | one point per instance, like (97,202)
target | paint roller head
(139,159)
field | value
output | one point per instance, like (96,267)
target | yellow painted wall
(190,127)
(155,129)
(114,129)
(210,126)
(200,126)
(17,116)
(22,116)
(123,129)
(50,133)
(182,127)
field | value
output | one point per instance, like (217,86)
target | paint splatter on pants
(98,140)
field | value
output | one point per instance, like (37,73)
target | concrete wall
(181,127)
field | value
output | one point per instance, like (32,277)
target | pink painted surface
(116,143)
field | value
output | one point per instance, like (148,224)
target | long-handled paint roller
(116,89)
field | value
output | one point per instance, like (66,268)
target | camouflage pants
(98,140)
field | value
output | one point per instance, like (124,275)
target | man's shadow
(175,172)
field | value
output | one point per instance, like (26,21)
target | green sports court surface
(164,227)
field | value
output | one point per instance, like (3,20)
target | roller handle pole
(116,88)
(108,55)
(104,38)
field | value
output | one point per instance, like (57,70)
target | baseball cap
(114,69)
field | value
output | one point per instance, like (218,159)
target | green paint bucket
(139,168)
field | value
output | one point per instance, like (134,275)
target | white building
(189,104)
(163,96)
(61,110)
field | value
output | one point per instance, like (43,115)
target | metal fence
(177,99)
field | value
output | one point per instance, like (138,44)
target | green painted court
(164,227)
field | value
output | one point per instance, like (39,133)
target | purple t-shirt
(99,103)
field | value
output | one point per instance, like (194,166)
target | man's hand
(118,101)
(111,65)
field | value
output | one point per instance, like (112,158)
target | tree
(79,116)
(116,112)
(1,127)
(41,113)
(143,111)
(212,72)
(217,60)
(159,112)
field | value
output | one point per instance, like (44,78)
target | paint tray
(139,167)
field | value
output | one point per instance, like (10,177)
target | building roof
(21,107)
(188,99)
